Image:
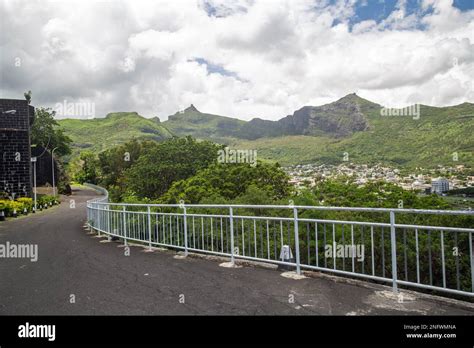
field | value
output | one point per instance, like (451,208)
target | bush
(9,206)
(47,199)
(27,203)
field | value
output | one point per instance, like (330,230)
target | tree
(45,132)
(159,166)
(115,161)
(89,168)
(231,181)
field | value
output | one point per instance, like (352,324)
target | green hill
(99,134)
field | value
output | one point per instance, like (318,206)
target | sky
(243,58)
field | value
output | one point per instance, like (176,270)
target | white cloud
(283,54)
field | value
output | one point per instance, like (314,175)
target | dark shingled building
(16,118)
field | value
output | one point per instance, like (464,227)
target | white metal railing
(105,194)
(434,257)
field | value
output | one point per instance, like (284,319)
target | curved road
(73,264)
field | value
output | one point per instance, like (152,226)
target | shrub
(47,199)
(27,203)
(8,206)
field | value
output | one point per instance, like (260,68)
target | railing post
(124,225)
(297,241)
(99,219)
(149,227)
(231,218)
(108,218)
(471,256)
(185,232)
(393,242)
(93,216)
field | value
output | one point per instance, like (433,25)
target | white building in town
(440,185)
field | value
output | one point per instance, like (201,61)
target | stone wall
(15,160)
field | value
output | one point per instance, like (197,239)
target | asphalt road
(73,264)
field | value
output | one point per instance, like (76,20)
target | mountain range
(351,128)
(341,118)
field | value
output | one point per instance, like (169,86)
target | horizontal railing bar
(379,224)
(243,206)
(273,218)
(247,217)
(437,228)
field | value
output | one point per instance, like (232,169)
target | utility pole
(52,169)
(33,159)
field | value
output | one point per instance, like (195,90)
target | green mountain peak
(191,108)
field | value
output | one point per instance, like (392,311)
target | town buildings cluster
(438,180)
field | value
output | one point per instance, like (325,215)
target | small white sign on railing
(286,254)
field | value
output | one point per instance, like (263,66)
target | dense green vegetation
(227,182)
(87,168)
(144,170)
(114,162)
(160,166)
(178,169)
(187,169)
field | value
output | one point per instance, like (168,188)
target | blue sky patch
(215,68)
(464,5)
(379,10)
(221,10)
